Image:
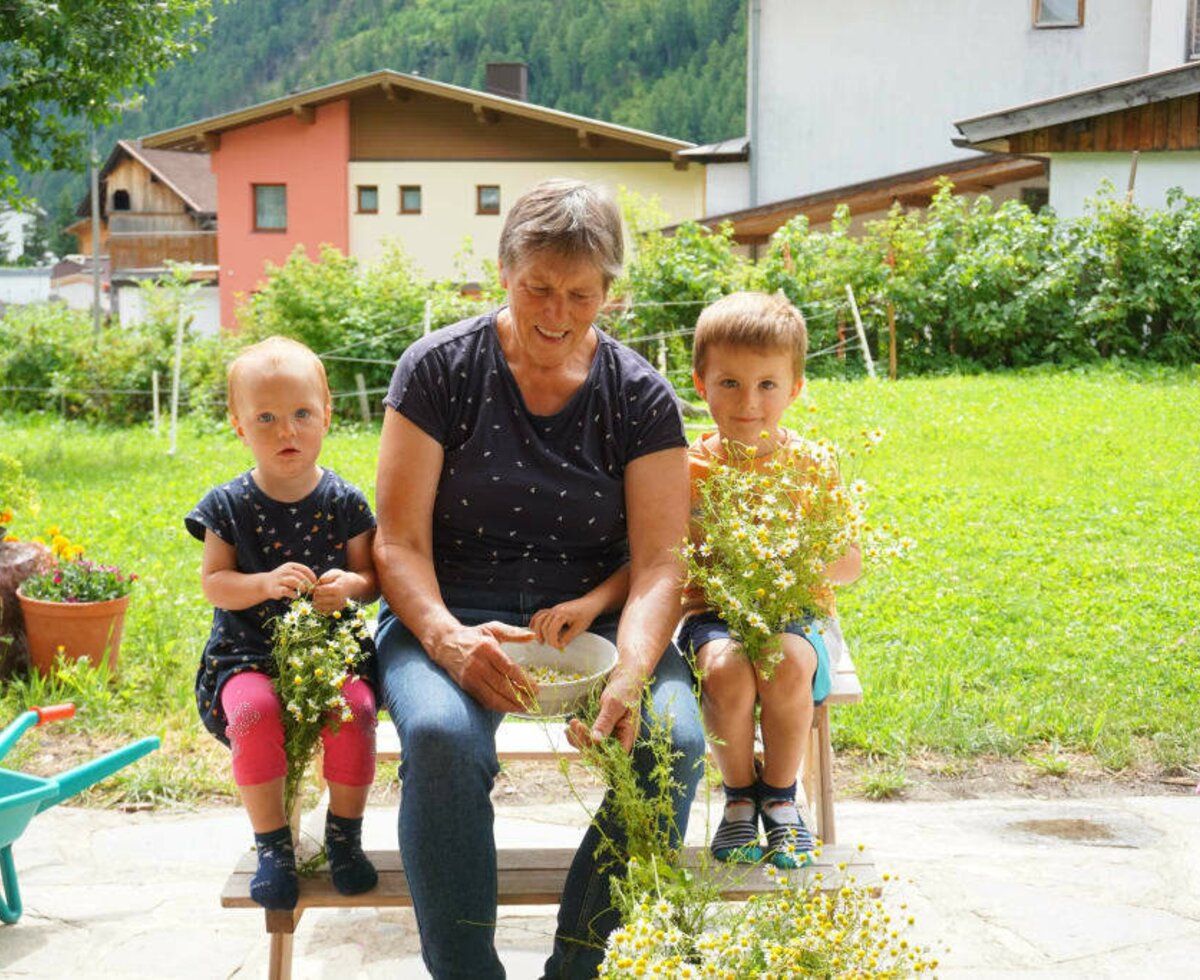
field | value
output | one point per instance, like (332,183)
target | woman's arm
(656,505)
(410,466)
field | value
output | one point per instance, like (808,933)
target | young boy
(748,364)
(284,529)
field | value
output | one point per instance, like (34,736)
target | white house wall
(24,285)
(205,308)
(1168,34)
(1075,177)
(728,187)
(859,89)
(433,237)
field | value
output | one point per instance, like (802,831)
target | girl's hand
(289,581)
(333,590)
(560,624)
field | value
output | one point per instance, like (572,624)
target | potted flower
(75,609)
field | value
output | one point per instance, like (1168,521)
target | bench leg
(826,826)
(281,956)
(281,927)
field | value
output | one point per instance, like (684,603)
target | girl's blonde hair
(274,352)
(760,321)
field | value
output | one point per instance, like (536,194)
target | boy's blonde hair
(274,352)
(761,321)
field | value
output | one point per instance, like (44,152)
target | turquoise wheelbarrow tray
(22,797)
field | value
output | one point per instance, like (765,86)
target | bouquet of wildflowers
(805,929)
(315,655)
(768,532)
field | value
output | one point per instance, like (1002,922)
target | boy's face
(281,414)
(748,391)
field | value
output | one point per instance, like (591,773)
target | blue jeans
(448,767)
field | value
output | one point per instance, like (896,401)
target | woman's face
(552,302)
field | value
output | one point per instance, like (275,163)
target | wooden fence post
(364,405)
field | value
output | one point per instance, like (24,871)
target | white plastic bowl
(589,654)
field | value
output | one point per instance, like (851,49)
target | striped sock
(275,885)
(736,839)
(789,844)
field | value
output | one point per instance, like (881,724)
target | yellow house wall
(448,202)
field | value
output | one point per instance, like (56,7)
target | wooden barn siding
(424,127)
(1170,125)
(144,194)
(134,251)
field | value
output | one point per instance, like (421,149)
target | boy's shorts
(702,628)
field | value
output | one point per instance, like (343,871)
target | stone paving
(1017,888)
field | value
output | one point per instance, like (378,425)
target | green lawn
(1050,604)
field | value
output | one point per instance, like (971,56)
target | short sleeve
(655,422)
(420,392)
(213,513)
(359,518)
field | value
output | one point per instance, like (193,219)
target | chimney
(508,78)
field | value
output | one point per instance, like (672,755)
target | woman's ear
(500,271)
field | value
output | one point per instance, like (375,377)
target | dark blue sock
(275,885)
(351,870)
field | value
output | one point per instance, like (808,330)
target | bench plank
(534,876)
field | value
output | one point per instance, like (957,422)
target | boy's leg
(447,769)
(728,693)
(786,719)
(255,734)
(350,771)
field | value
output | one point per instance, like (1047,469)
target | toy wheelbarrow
(22,797)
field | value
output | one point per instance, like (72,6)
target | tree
(68,60)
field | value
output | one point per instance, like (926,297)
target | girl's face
(747,392)
(282,415)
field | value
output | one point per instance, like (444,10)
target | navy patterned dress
(266,533)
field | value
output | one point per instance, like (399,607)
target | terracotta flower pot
(74,629)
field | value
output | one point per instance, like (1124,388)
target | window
(487,198)
(1193,31)
(120,201)
(368,199)
(270,207)
(410,199)
(1057,13)
(1035,198)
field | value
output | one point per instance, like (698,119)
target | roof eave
(192,135)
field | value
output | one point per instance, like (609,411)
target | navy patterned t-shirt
(266,533)
(529,508)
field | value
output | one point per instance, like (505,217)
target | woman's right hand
(471,655)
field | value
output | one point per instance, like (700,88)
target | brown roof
(187,174)
(195,136)
(910,188)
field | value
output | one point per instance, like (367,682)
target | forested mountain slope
(675,67)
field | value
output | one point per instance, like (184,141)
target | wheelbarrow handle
(75,781)
(55,712)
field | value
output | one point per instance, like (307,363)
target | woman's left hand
(619,715)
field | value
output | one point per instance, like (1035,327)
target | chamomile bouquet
(315,655)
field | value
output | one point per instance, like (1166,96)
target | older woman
(525,457)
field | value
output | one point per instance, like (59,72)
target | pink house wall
(312,160)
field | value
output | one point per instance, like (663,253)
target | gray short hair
(568,217)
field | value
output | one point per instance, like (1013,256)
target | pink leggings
(255,732)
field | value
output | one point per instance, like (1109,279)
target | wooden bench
(535,876)
(526,876)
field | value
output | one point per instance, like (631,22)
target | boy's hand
(559,625)
(333,590)
(289,581)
